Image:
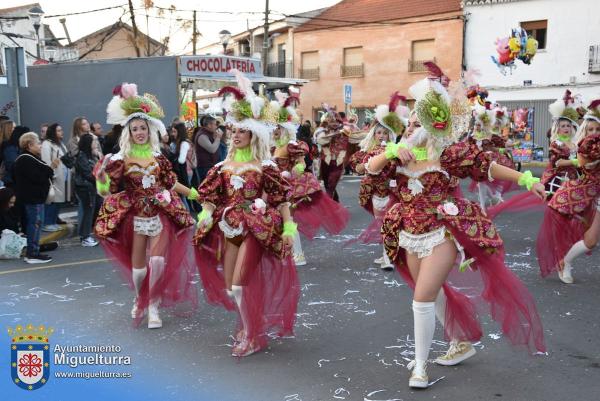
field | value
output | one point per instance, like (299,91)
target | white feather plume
(439,88)
(381,111)
(244,84)
(275,105)
(419,89)
(114,113)
(256,104)
(280,96)
(403,112)
(557,108)
(292,111)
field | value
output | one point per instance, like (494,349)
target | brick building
(377,46)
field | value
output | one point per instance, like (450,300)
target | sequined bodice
(242,184)
(420,194)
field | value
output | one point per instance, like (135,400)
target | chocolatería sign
(218,66)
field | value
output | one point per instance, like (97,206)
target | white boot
(299,258)
(157,267)
(424,316)
(138,275)
(387,264)
(576,250)
(482,195)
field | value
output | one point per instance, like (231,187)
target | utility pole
(194,35)
(265,50)
(135,30)
(147,30)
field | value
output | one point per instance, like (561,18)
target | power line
(85,12)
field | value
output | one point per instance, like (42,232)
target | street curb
(67,231)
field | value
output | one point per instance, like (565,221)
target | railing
(279,69)
(418,65)
(311,73)
(58,54)
(594,61)
(352,70)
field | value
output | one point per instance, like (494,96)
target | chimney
(63,21)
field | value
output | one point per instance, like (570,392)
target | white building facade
(568,58)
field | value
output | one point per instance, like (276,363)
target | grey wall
(61,92)
(6,96)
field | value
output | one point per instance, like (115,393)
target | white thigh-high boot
(299,258)
(482,191)
(138,275)
(458,350)
(157,267)
(576,250)
(424,316)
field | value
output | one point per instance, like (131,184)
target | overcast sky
(233,16)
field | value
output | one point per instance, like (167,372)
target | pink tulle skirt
(508,300)
(523,202)
(174,286)
(320,212)
(497,186)
(557,235)
(270,288)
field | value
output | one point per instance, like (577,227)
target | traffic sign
(347,93)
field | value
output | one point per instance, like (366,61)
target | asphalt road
(353,333)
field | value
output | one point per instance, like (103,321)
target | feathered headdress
(566,108)
(432,107)
(393,115)
(484,116)
(285,105)
(593,111)
(245,109)
(501,117)
(127,104)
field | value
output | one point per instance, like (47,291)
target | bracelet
(204,215)
(299,168)
(527,180)
(575,162)
(391,149)
(502,150)
(103,188)
(193,195)
(289,229)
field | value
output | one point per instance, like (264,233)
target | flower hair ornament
(501,117)
(484,116)
(247,110)
(593,111)
(567,108)
(127,105)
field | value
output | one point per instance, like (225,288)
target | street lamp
(35,15)
(224,36)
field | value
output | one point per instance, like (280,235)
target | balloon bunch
(517,46)
(477,94)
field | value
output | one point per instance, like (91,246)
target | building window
(422,51)
(537,30)
(353,62)
(310,65)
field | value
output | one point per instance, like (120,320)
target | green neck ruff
(564,138)
(281,142)
(420,153)
(141,151)
(243,155)
(480,135)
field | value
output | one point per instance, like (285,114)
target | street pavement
(353,334)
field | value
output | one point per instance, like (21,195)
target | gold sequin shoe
(458,352)
(299,259)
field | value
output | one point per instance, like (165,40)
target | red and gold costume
(571,210)
(427,213)
(135,209)
(554,175)
(268,272)
(311,206)
(334,146)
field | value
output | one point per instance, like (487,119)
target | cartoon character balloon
(517,46)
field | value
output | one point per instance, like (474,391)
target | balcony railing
(310,73)
(279,69)
(418,65)
(347,71)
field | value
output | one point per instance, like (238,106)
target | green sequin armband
(391,150)
(527,180)
(289,229)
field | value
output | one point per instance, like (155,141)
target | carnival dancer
(334,142)
(563,163)
(376,191)
(245,230)
(503,145)
(143,223)
(311,207)
(428,227)
(571,225)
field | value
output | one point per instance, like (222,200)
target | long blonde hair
(369,143)
(125,140)
(260,148)
(582,130)
(554,130)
